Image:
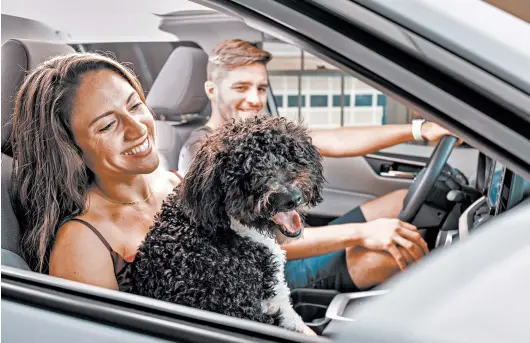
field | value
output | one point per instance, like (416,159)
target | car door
(41,308)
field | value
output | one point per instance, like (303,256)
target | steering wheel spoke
(426,179)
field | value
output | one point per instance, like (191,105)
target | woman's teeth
(139,149)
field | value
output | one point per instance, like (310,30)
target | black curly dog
(214,243)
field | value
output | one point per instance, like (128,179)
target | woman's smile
(140,150)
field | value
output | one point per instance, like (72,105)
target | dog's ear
(318,178)
(202,195)
(307,155)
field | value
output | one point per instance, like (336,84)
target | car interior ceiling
(180,106)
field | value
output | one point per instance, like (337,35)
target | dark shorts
(327,271)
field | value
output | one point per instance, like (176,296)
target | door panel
(464,159)
(352,181)
(102,315)
(47,327)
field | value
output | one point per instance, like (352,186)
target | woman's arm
(79,255)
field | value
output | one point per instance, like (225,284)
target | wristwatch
(416,129)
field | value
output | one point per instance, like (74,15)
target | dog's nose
(297,197)
(287,200)
(291,199)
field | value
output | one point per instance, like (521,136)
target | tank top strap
(100,236)
(120,264)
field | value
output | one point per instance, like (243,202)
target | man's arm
(359,141)
(380,234)
(322,240)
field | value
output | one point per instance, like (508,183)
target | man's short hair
(234,53)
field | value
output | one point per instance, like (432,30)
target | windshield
(475,30)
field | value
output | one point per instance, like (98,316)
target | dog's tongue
(290,221)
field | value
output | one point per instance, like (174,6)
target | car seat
(18,57)
(179,101)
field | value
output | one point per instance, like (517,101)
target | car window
(311,90)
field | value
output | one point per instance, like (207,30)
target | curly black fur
(247,171)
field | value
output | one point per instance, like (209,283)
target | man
(361,248)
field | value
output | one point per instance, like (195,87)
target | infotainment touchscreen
(496,179)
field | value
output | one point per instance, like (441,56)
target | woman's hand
(391,234)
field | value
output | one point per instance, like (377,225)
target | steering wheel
(426,179)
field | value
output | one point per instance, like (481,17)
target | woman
(87,170)
(87,181)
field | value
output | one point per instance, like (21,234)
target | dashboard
(502,191)
(505,189)
(496,190)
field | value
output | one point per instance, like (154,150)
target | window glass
(312,62)
(363,100)
(294,101)
(336,100)
(319,101)
(381,102)
(296,75)
(279,100)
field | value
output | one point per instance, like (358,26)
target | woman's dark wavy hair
(50,180)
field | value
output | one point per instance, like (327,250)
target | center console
(497,191)
(342,307)
(324,310)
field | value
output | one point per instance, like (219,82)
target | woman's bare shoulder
(79,254)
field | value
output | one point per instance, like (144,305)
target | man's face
(240,92)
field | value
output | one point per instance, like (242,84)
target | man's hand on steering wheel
(433,132)
(402,240)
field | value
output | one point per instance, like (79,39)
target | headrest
(18,57)
(179,87)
